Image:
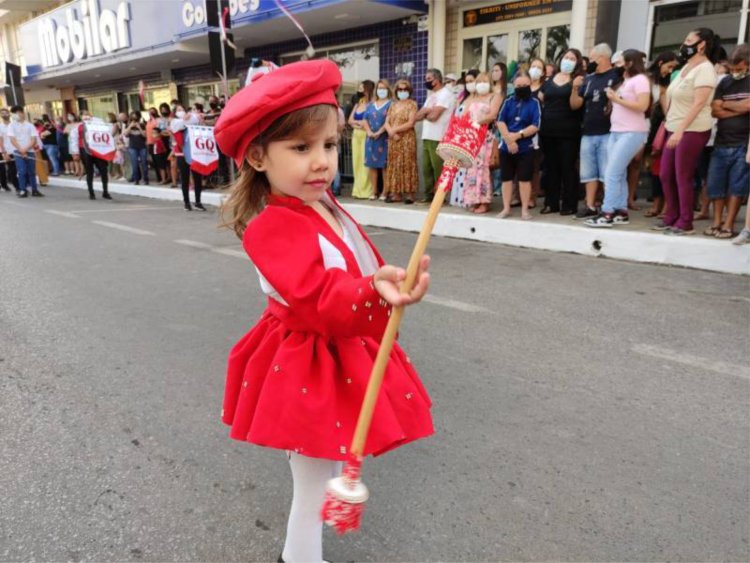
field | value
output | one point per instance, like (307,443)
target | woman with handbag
(483,106)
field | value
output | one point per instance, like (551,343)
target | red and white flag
(99,140)
(200,149)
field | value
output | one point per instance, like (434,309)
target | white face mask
(535,73)
(382,93)
(180,114)
(402,95)
(567,66)
(471,87)
(483,88)
(457,89)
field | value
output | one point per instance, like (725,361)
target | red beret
(291,87)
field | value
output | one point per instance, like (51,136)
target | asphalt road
(586,409)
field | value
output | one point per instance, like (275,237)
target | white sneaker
(742,238)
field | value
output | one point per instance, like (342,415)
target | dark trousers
(89,162)
(8,174)
(185,172)
(560,180)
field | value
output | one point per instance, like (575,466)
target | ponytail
(714,49)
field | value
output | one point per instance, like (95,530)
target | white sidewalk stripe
(116,209)
(716,366)
(216,249)
(123,228)
(452,304)
(67,214)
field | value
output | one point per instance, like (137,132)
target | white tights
(304,532)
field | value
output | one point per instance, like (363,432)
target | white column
(437,34)
(578,23)
(743,22)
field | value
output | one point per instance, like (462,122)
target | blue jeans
(594,150)
(621,149)
(26,169)
(728,172)
(53,152)
(139,164)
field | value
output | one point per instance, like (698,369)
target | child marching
(296,381)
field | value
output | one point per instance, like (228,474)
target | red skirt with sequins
(302,391)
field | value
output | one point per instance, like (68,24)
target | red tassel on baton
(346,495)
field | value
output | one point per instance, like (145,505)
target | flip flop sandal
(724,233)
(650,213)
(711,231)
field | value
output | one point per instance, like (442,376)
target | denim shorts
(728,173)
(593,157)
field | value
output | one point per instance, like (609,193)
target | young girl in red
(296,381)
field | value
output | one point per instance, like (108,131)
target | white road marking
(123,228)
(716,366)
(375,233)
(116,209)
(67,214)
(453,304)
(211,248)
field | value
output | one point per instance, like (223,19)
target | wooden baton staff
(346,495)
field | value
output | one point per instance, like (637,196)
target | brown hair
(387,85)
(403,83)
(739,54)
(248,194)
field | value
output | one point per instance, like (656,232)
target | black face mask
(213,105)
(165,114)
(429,84)
(687,52)
(154,115)
(620,70)
(664,80)
(591,68)
(523,92)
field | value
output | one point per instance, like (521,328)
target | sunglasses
(402,89)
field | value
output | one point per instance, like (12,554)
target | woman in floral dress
(457,191)
(401,180)
(483,109)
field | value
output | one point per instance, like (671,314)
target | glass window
(557,41)
(100,106)
(674,21)
(200,91)
(497,50)
(472,57)
(528,44)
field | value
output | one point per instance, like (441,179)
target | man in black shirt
(728,172)
(589,93)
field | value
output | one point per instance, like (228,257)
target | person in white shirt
(7,166)
(436,114)
(24,140)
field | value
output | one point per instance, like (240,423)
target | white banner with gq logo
(200,149)
(99,140)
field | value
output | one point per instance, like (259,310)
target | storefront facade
(97,53)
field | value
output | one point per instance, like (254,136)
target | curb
(645,247)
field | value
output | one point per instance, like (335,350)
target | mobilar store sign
(87,32)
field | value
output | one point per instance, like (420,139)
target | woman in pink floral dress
(483,108)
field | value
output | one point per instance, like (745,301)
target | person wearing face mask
(537,77)
(589,93)
(451,82)
(376,144)
(117,166)
(518,123)
(629,131)
(688,126)
(483,106)
(467,89)
(7,166)
(362,188)
(169,164)
(90,161)
(24,140)
(436,113)
(137,151)
(401,180)
(560,137)
(153,115)
(728,172)
(500,88)
(178,129)
(74,146)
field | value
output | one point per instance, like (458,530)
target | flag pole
(224,42)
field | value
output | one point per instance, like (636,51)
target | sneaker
(742,238)
(601,220)
(36,193)
(678,232)
(23,194)
(199,206)
(661,226)
(586,212)
(621,218)
(188,207)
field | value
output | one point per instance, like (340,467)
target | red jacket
(296,381)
